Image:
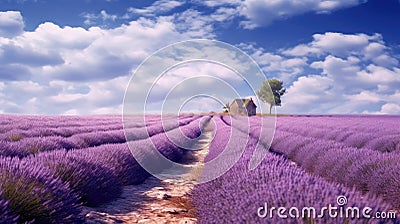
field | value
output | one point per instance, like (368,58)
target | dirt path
(155,201)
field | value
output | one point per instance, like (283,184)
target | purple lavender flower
(34,193)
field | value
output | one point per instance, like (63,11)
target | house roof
(243,102)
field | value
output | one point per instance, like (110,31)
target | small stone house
(243,107)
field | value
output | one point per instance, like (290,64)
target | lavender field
(312,160)
(53,166)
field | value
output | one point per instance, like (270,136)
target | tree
(270,92)
(226,108)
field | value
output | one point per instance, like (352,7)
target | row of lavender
(369,169)
(16,127)
(29,122)
(24,143)
(51,187)
(244,196)
(380,133)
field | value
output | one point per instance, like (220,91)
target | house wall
(236,110)
(251,111)
(233,109)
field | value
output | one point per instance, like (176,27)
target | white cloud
(216,3)
(275,65)
(262,13)
(100,54)
(63,98)
(223,14)
(71,112)
(201,104)
(390,108)
(337,67)
(92,18)
(194,22)
(199,24)
(380,75)
(27,55)
(157,8)
(357,74)
(14,72)
(26,87)
(9,106)
(108,110)
(312,84)
(208,76)
(374,49)
(320,94)
(385,60)
(395,97)
(338,44)
(51,36)
(302,50)
(377,53)
(366,96)
(11,23)
(101,97)
(278,66)
(106,16)
(309,94)
(72,70)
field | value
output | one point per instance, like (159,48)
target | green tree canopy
(270,92)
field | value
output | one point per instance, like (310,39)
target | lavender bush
(93,182)
(34,194)
(6,216)
(118,158)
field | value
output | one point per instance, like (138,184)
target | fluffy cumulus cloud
(73,70)
(390,108)
(346,73)
(262,13)
(102,97)
(11,23)
(310,94)
(273,64)
(115,52)
(339,44)
(335,73)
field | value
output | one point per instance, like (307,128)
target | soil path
(155,201)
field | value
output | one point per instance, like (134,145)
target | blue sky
(76,57)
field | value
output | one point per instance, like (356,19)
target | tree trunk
(270,108)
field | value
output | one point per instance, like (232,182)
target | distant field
(51,166)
